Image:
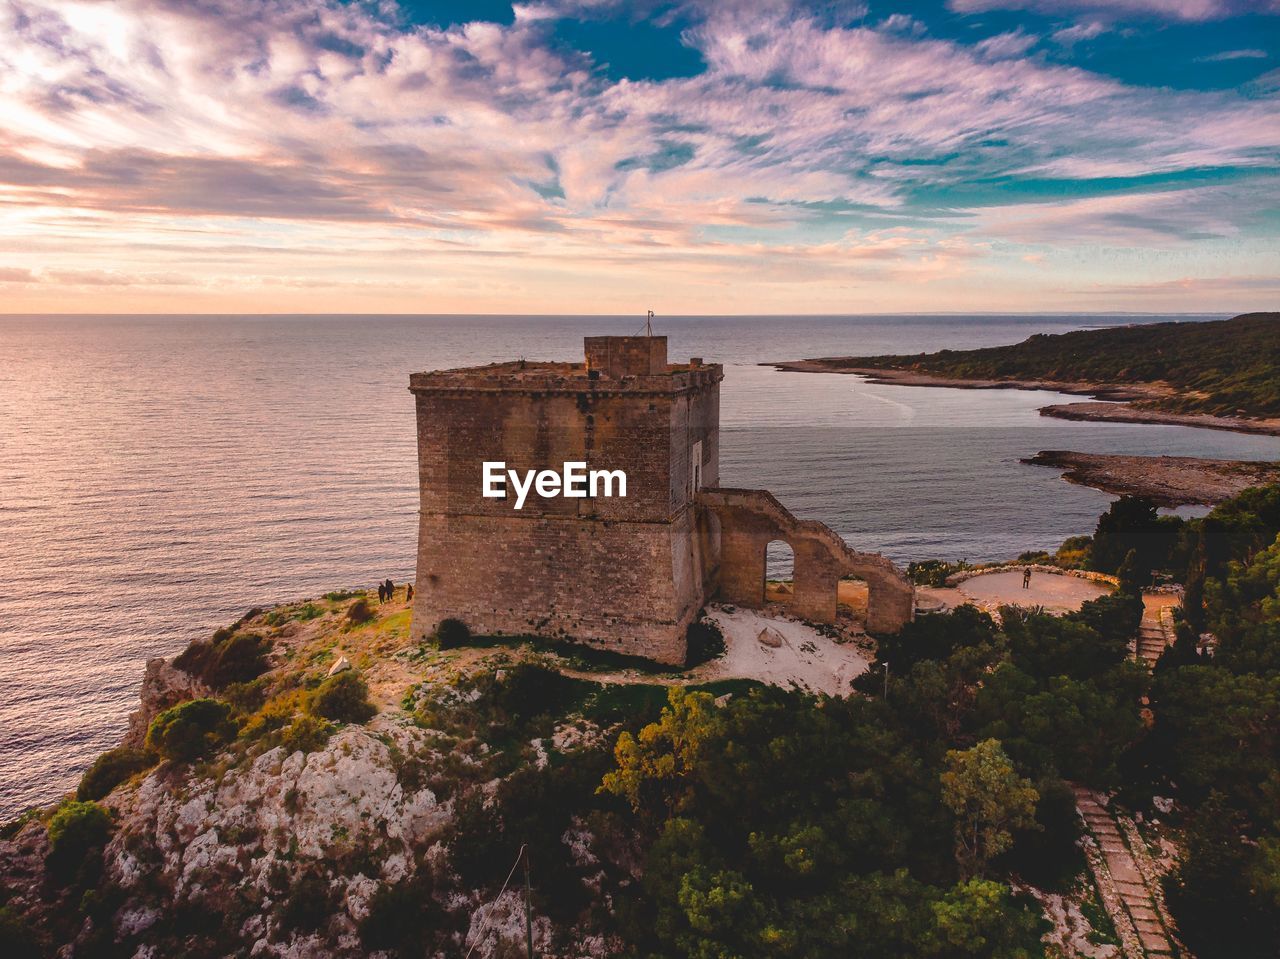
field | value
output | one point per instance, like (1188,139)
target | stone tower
(625,573)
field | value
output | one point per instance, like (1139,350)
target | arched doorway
(779,572)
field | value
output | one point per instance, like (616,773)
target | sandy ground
(948,596)
(1056,593)
(806,658)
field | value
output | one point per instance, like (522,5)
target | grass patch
(339,595)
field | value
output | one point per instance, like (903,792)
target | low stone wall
(955,579)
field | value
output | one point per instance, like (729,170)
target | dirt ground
(805,658)
(1055,592)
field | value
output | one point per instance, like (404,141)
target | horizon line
(658,316)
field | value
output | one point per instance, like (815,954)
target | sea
(160,475)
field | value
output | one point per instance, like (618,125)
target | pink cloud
(1170,9)
(225,135)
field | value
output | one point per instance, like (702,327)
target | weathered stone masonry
(624,573)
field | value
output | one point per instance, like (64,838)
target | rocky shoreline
(1166,480)
(1102,412)
(1109,403)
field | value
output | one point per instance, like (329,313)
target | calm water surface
(160,475)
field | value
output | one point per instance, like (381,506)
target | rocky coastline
(1165,480)
(1109,402)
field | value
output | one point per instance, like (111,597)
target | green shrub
(75,830)
(343,697)
(111,769)
(228,658)
(1074,552)
(191,729)
(933,572)
(452,633)
(306,733)
(359,612)
(240,659)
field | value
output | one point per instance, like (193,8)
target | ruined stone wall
(751,519)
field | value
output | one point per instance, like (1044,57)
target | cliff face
(256,830)
(309,837)
(163,685)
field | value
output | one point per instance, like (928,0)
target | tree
(1076,728)
(1046,646)
(978,918)
(1218,893)
(989,799)
(192,729)
(1215,730)
(1133,523)
(653,767)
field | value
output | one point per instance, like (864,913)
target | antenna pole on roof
(648,324)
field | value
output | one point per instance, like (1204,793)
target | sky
(592,156)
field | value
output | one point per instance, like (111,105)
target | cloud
(227,139)
(1069,36)
(1006,46)
(1192,10)
(1234,55)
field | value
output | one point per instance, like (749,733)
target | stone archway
(751,519)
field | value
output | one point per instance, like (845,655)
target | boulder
(770,637)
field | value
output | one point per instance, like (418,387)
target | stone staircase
(1127,880)
(1153,636)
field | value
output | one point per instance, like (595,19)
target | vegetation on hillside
(1224,367)
(733,820)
